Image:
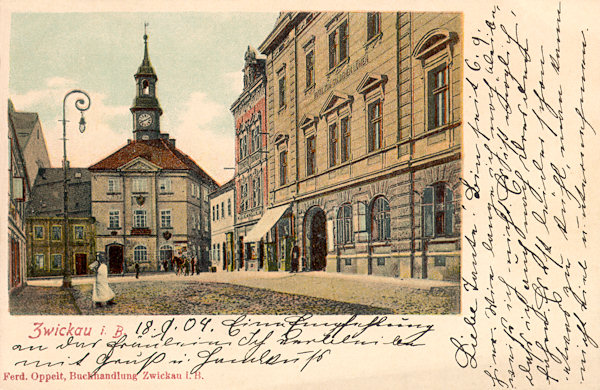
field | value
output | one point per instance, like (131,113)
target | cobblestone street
(244,292)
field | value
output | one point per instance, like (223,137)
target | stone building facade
(150,200)
(251,184)
(365,130)
(46,225)
(222,244)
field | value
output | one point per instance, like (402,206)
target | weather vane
(146,24)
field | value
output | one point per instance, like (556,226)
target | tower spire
(146,66)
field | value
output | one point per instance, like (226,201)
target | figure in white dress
(101,291)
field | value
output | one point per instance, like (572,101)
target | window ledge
(113,193)
(374,39)
(307,89)
(338,66)
(166,193)
(381,243)
(166,227)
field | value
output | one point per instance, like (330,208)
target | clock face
(145,120)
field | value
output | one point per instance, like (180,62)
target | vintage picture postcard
(280,197)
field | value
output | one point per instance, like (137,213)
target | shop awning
(269,218)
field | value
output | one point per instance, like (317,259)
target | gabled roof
(48,191)
(335,100)
(24,123)
(159,152)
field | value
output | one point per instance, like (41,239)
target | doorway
(115,259)
(315,245)
(80,264)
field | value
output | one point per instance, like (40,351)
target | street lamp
(82,104)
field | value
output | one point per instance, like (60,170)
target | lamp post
(82,104)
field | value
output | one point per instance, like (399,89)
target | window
(282,167)
(438,210)
(217,211)
(38,232)
(219,252)
(39,260)
(333,140)
(373,25)
(56,261)
(310,155)
(348,261)
(375,128)
(437,102)
(282,92)
(338,45)
(78,232)
(310,69)
(204,193)
(206,222)
(139,219)
(381,261)
(362,217)
(140,254)
(166,253)
(380,220)
(345,140)
(145,87)
(139,184)
(164,185)
(229,207)
(344,225)
(113,185)
(222,209)
(243,146)
(113,219)
(56,233)
(165,218)
(256,192)
(213,213)
(439,261)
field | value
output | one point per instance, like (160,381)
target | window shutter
(428,212)
(449,210)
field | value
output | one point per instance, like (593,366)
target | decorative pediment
(139,164)
(371,81)
(434,41)
(334,101)
(308,121)
(280,138)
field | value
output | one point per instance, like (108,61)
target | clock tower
(146,110)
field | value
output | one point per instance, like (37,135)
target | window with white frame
(139,219)
(333,144)
(79,232)
(114,219)
(113,185)
(39,260)
(140,254)
(164,185)
(139,184)
(375,127)
(380,219)
(165,218)
(437,96)
(338,44)
(344,139)
(56,260)
(344,225)
(438,210)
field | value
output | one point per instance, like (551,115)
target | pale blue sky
(198,58)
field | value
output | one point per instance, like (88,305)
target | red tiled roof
(160,152)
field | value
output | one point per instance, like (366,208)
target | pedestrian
(101,291)
(186,266)
(165,265)
(137,270)
(295,258)
(193,264)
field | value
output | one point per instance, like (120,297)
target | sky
(198,58)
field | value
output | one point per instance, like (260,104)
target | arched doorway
(115,258)
(315,238)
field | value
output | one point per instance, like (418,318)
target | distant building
(150,200)
(18,191)
(222,206)
(251,186)
(365,127)
(46,226)
(31,140)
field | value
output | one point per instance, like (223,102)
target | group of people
(182,265)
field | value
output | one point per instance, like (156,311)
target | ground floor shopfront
(404,224)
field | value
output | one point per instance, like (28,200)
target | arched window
(145,87)
(344,225)
(140,254)
(166,253)
(438,210)
(380,219)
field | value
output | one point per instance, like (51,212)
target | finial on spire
(146,24)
